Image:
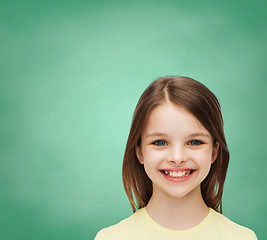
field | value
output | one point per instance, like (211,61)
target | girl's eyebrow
(158,134)
(200,134)
(155,134)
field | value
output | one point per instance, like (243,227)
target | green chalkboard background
(71,73)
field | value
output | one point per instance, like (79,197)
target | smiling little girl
(175,164)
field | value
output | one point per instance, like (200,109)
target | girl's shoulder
(222,224)
(122,229)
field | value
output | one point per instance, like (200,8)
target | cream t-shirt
(140,226)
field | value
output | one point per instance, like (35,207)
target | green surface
(71,74)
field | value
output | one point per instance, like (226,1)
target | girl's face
(176,150)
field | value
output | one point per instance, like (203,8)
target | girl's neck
(177,213)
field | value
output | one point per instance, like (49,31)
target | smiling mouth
(177,174)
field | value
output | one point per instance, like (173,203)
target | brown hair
(203,104)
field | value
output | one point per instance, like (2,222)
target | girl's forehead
(172,118)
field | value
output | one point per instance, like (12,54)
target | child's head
(200,102)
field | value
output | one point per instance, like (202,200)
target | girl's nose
(177,155)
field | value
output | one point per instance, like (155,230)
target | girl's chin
(177,193)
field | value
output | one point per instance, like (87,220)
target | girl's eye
(195,142)
(160,143)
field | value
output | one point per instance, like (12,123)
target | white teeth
(177,174)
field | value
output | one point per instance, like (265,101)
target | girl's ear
(215,152)
(139,154)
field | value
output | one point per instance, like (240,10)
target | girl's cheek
(201,154)
(156,155)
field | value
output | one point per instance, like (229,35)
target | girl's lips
(177,175)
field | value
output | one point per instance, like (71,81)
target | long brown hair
(203,104)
